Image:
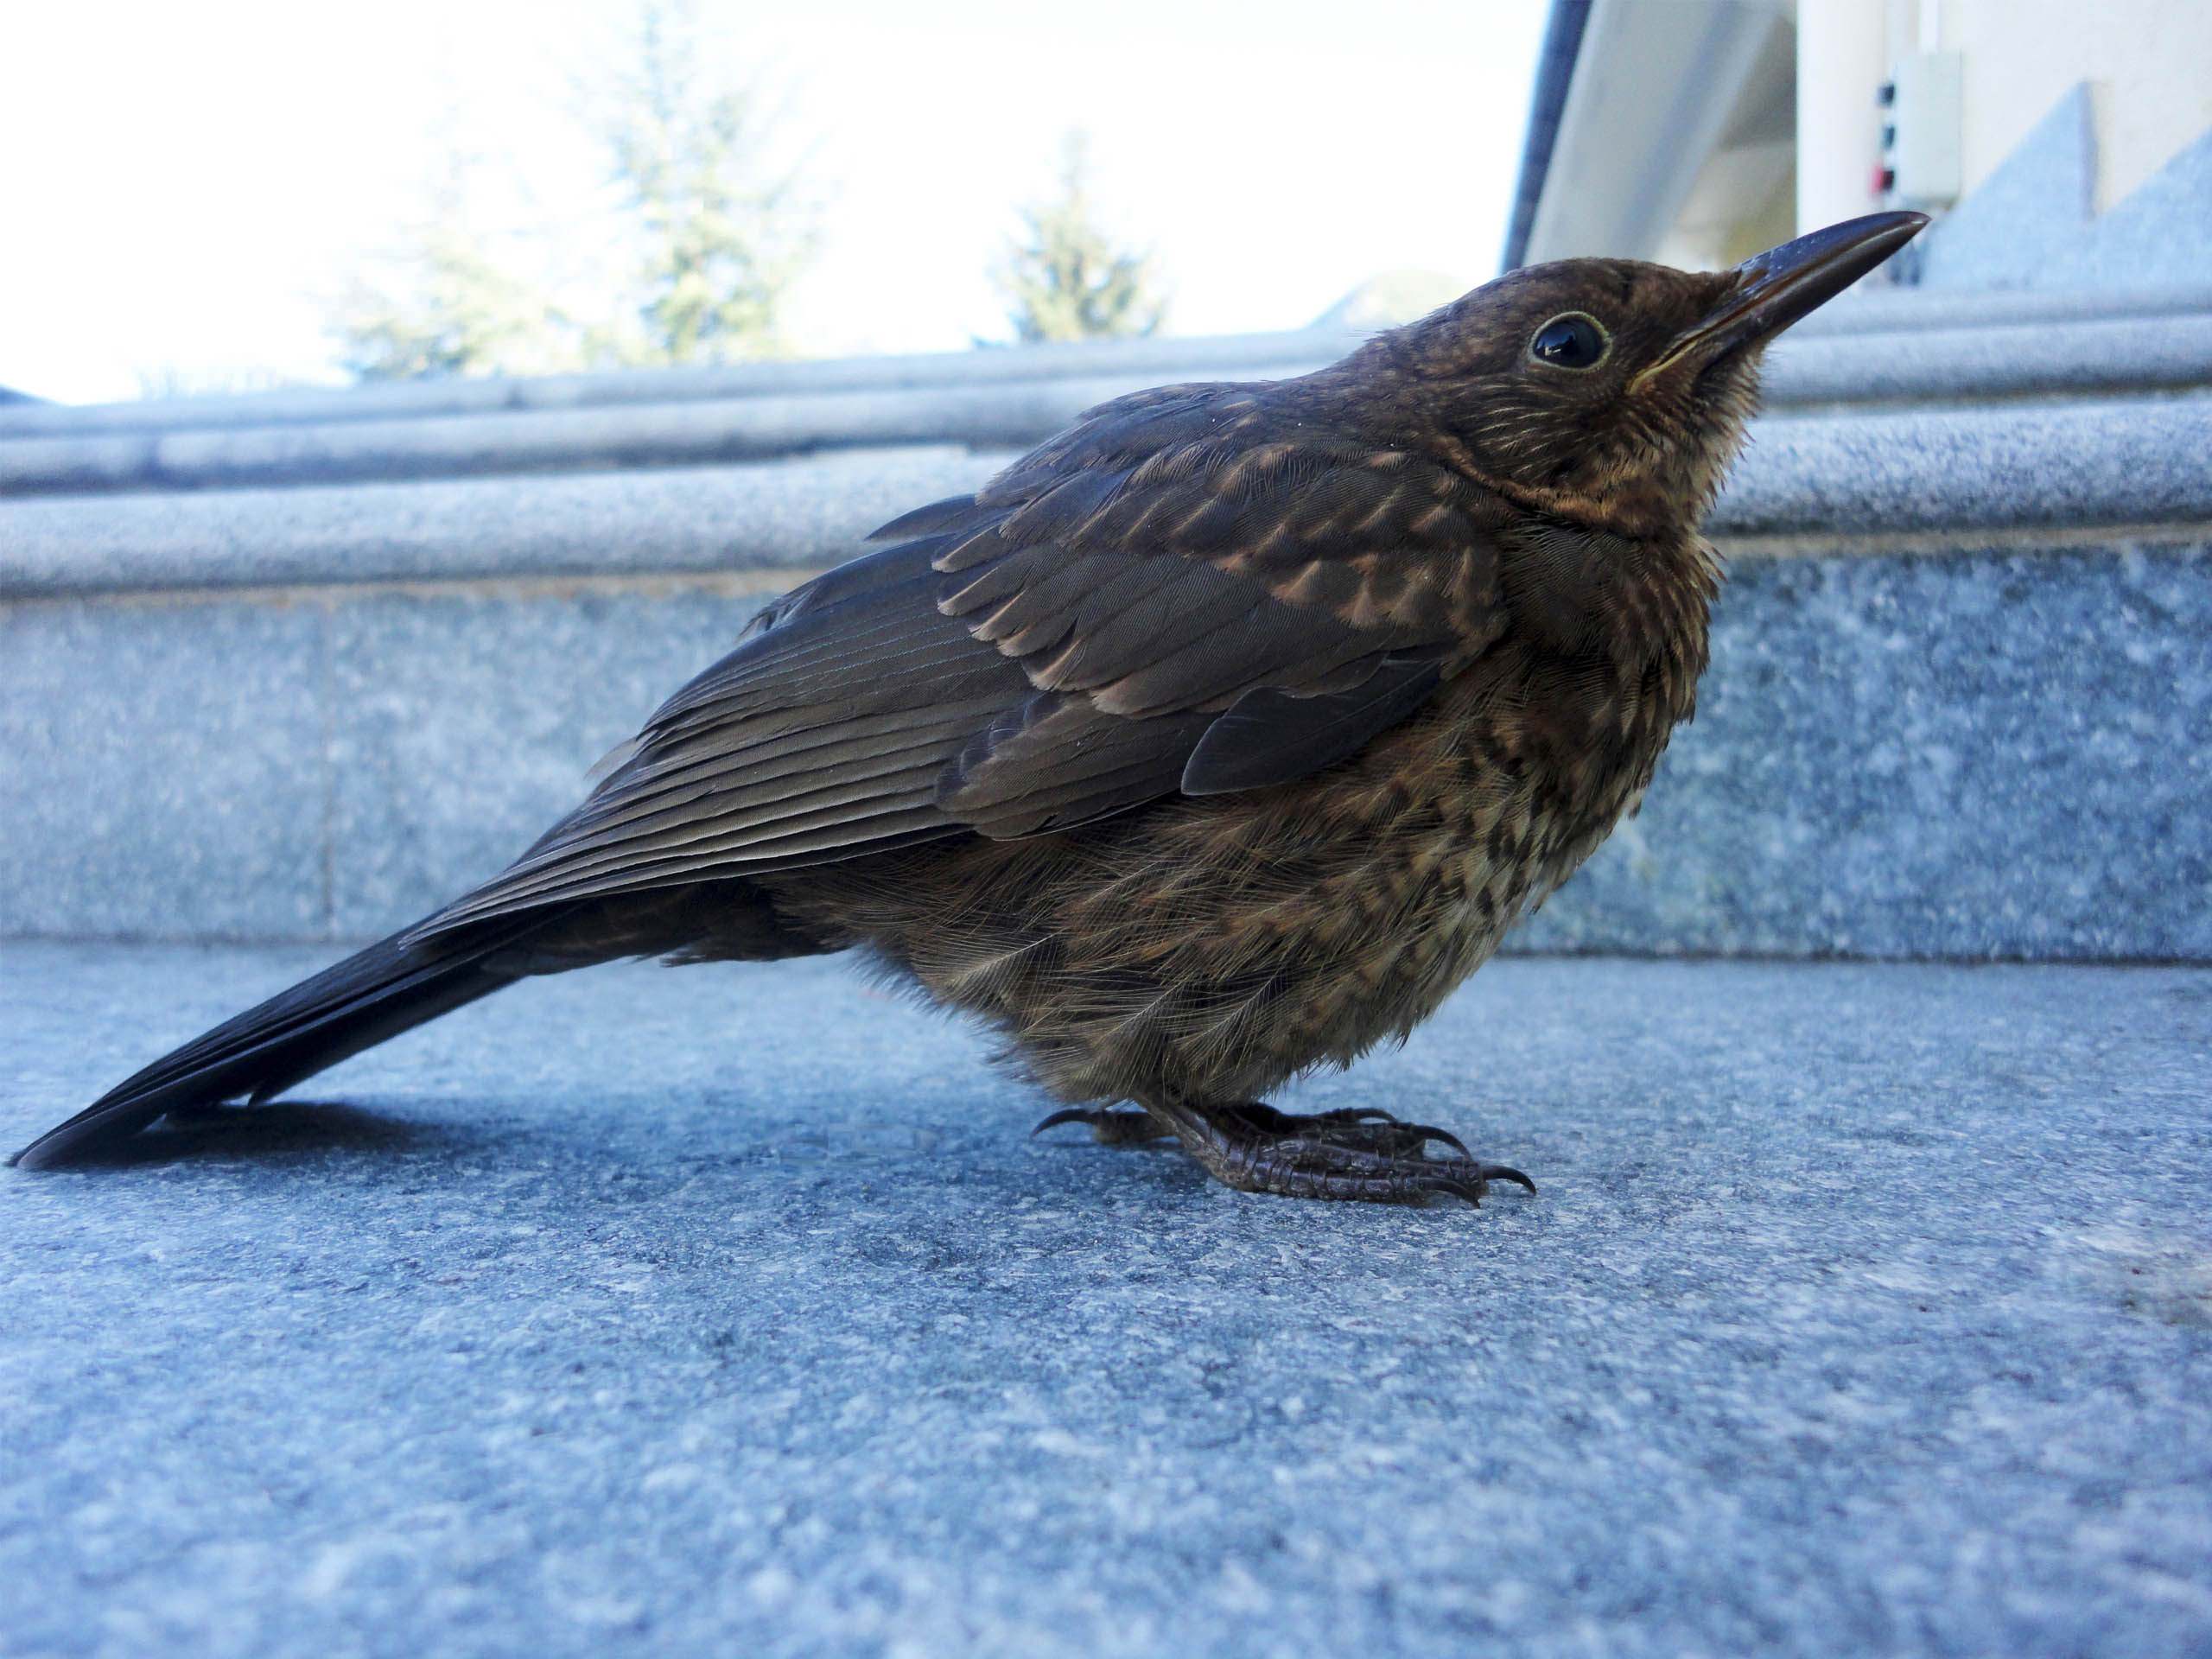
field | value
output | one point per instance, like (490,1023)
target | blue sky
(190,187)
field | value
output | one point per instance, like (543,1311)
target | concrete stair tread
(732,1310)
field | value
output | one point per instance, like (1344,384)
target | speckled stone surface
(1013,413)
(1866,1310)
(465,718)
(2171,350)
(2101,461)
(2032,213)
(1162,356)
(1998,754)
(1980,361)
(163,767)
(2033,222)
(1871,308)
(690,520)
(1991,753)
(2090,464)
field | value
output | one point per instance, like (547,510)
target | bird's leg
(1359,1154)
(1365,1127)
(1111,1129)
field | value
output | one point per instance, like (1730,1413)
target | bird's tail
(375,993)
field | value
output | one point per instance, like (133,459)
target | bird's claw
(1112,1128)
(1366,1128)
(1359,1153)
(1503,1173)
(1321,1170)
(1443,1137)
(1066,1115)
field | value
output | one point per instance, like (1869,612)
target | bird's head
(1615,386)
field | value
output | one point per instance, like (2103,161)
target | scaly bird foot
(1358,1154)
(1365,1129)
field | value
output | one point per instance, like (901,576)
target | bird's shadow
(279,1129)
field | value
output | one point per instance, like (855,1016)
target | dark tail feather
(377,992)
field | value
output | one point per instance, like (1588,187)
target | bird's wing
(1188,591)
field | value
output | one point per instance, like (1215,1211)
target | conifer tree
(1065,278)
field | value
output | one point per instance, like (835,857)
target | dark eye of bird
(1572,341)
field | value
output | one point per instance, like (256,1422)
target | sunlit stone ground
(1864,1309)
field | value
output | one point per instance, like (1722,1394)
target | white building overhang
(1675,132)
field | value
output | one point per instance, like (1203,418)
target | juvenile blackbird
(1214,741)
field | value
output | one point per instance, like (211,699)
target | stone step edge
(1970,365)
(1874,310)
(2123,464)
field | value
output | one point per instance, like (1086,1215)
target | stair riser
(1993,752)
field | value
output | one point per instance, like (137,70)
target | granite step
(1961,677)
(2023,361)
(1862,1309)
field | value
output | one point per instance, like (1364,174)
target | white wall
(1659,156)
(2149,61)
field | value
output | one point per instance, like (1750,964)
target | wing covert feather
(1190,590)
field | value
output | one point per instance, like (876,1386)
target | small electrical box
(1921,120)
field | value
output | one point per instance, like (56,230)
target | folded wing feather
(1174,596)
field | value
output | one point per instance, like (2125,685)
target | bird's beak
(1775,288)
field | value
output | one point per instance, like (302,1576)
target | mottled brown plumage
(1216,739)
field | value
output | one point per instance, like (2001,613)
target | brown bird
(1214,741)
